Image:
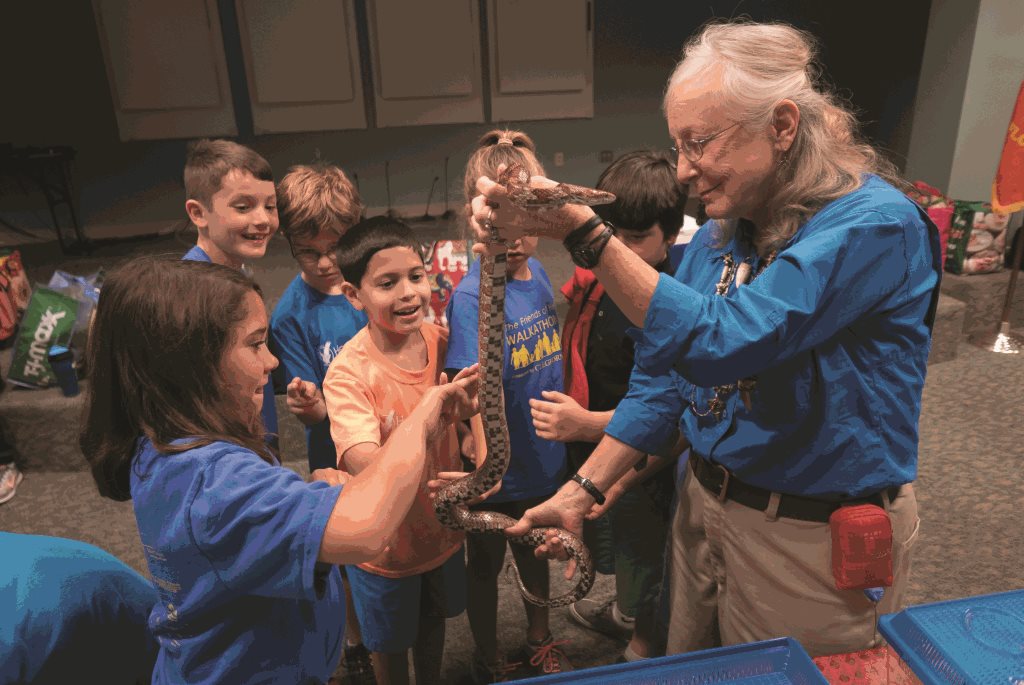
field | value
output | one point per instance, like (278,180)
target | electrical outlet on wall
(559,158)
(604,156)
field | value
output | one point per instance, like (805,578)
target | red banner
(1008,188)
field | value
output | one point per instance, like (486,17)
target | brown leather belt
(717,480)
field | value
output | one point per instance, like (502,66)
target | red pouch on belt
(861,547)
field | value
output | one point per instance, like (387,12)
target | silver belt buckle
(725,482)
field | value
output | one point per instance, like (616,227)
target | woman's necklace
(731,270)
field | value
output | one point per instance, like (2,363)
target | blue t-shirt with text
(533,363)
(232,543)
(307,329)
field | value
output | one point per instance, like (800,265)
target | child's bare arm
(386,478)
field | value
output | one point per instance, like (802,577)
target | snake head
(516,180)
(514,176)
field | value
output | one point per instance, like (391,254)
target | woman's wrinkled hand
(492,207)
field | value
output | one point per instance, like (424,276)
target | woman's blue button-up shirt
(836,331)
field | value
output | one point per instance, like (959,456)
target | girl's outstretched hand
(448,402)
(331,476)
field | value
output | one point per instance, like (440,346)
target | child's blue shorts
(389,608)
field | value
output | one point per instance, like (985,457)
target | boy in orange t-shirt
(403,597)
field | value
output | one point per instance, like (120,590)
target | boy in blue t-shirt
(312,322)
(313,319)
(532,365)
(230,197)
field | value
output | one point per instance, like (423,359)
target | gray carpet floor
(970,486)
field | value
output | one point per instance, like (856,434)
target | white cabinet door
(541,59)
(165,63)
(426,61)
(302,64)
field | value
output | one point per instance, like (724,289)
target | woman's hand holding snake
(566,510)
(549,216)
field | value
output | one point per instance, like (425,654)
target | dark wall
(56,92)
(871,51)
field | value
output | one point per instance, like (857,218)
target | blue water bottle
(62,361)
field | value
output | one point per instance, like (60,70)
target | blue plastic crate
(975,640)
(773,662)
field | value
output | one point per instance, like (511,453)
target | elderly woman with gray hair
(789,350)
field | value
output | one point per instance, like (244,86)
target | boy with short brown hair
(404,596)
(231,199)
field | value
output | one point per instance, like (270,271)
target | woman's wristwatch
(589,486)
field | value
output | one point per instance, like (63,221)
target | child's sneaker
(356,666)
(629,656)
(484,673)
(547,657)
(10,477)
(604,617)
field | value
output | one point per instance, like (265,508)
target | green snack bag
(960,235)
(49,320)
(977,239)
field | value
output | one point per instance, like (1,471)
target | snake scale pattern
(450,502)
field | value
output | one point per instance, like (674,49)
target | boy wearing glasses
(313,319)
(311,323)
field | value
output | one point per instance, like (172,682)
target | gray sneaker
(10,477)
(604,617)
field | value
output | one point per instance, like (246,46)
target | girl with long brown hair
(243,553)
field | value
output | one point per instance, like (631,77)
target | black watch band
(578,234)
(586,256)
(591,489)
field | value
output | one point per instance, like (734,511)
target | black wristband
(591,489)
(587,256)
(578,234)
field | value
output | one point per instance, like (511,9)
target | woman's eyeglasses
(693,148)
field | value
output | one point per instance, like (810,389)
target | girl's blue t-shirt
(533,363)
(232,543)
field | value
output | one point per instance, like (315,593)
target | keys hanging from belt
(716,405)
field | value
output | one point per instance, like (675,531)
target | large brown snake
(450,501)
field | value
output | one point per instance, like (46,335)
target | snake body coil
(450,502)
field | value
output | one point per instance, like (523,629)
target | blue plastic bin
(975,640)
(773,662)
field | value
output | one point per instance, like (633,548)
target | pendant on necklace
(741,273)
(746,386)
